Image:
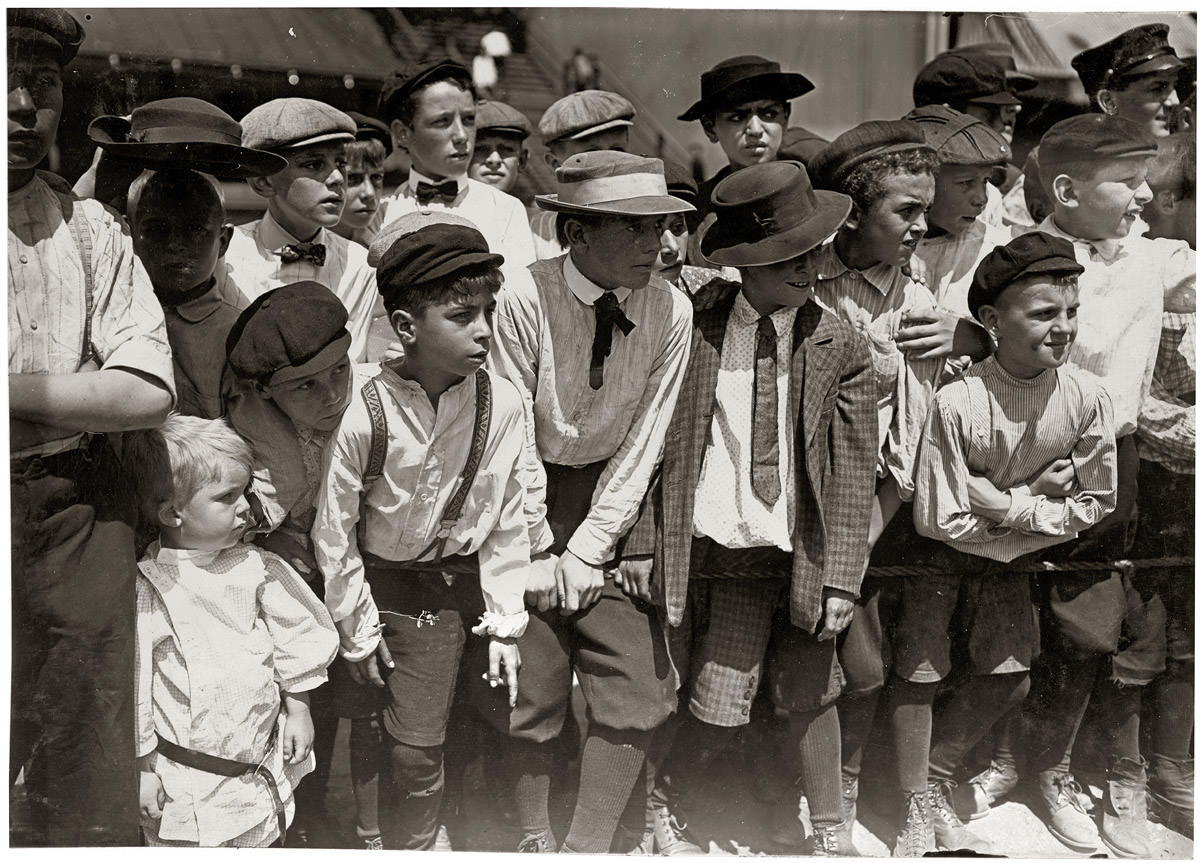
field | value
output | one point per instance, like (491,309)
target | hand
(366,671)
(985,499)
(581,584)
(839,611)
(297,555)
(633,577)
(297,735)
(542,587)
(151,796)
(1057,479)
(933,333)
(503,653)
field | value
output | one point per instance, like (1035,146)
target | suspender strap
(227,767)
(379,433)
(83,239)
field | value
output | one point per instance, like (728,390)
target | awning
(317,41)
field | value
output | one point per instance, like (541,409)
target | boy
(365,156)
(989,432)
(420,530)
(225,633)
(294,242)
(581,122)
(599,422)
(430,108)
(1133,75)
(1171,213)
(87,355)
(500,153)
(780,501)
(1094,166)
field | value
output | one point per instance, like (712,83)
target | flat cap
(410,76)
(289,332)
(367,128)
(959,138)
(284,124)
(493,116)
(1138,51)
(1002,53)
(954,78)
(1035,252)
(419,251)
(55,28)
(587,112)
(1092,138)
(869,140)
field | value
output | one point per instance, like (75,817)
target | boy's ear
(1064,191)
(854,219)
(1165,201)
(551,159)
(576,232)
(399,135)
(1107,102)
(403,326)
(706,123)
(990,318)
(168,515)
(524,160)
(226,236)
(262,186)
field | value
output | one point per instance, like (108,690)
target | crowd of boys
(428,462)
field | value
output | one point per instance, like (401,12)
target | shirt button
(24,259)
(33,325)
(748,695)
(745,711)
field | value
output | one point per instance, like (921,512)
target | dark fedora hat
(769,213)
(742,73)
(186,132)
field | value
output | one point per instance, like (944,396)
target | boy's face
(364,185)
(960,195)
(442,133)
(1002,118)
(310,193)
(498,159)
(891,229)
(616,138)
(1105,206)
(620,251)
(179,242)
(750,132)
(455,335)
(672,248)
(785,284)
(1034,324)
(35,102)
(317,400)
(218,514)
(1149,100)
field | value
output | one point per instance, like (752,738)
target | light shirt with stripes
(1167,425)
(950,261)
(542,224)
(1007,429)
(544,328)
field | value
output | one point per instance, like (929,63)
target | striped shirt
(1167,424)
(545,235)
(253,267)
(544,328)
(950,261)
(987,422)
(219,635)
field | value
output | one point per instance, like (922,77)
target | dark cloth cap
(865,141)
(959,138)
(1139,51)
(54,28)
(680,182)
(285,328)
(965,77)
(744,76)
(1002,53)
(431,252)
(368,128)
(493,116)
(587,112)
(769,213)
(800,145)
(1035,252)
(1093,138)
(410,76)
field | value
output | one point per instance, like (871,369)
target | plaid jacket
(831,378)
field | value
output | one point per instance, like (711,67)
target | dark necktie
(293,252)
(608,313)
(445,192)
(764,442)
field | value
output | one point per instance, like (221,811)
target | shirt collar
(1109,250)
(584,289)
(15,196)
(882,277)
(274,237)
(415,176)
(176,556)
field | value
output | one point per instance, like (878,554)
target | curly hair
(864,184)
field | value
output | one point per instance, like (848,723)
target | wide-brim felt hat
(608,182)
(769,213)
(186,133)
(744,73)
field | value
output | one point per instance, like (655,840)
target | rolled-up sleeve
(302,634)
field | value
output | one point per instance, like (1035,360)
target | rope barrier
(1128,566)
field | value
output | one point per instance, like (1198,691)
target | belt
(227,767)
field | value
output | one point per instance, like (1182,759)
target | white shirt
(950,261)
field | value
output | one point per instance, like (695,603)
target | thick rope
(1127,566)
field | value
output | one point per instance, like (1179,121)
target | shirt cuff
(148,356)
(305,683)
(502,625)
(540,538)
(1020,509)
(146,746)
(591,545)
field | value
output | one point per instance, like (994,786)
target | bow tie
(293,252)
(445,192)
(608,315)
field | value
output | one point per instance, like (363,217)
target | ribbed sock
(912,724)
(974,708)
(856,716)
(528,766)
(697,743)
(818,745)
(611,765)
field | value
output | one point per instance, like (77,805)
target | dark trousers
(73,612)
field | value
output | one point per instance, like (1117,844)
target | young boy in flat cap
(754,352)
(365,155)
(430,108)
(988,437)
(1134,76)
(500,153)
(420,529)
(87,355)
(581,122)
(294,241)
(599,422)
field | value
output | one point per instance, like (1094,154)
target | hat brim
(1005,98)
(1019,81)
(832,210)
(594,130)
(792,84)
(650,205)
(211,157)
(1161,63)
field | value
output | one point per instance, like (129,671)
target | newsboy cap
(952,78)
(1002,53)
(587,112)
(284,124)
(744,77)
(958,138)
(287,333)
(420,250)
(1138,51)
(493,116)
(408,77)
(1093,138)
(874,138)
(367,128)
(54,28)
(1028,254)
